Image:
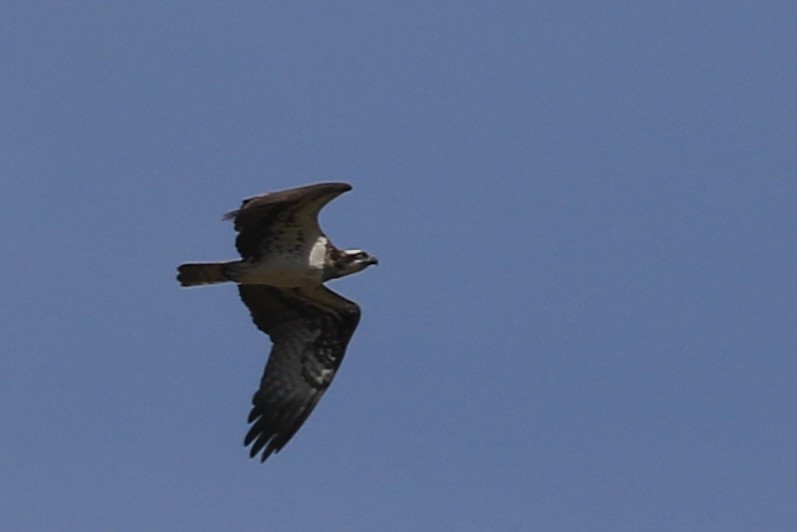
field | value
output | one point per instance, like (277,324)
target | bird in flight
(286,258)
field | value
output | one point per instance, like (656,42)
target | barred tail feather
(203,273)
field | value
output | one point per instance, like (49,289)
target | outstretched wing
(295,209)
(310,328)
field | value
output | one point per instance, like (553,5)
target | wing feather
(260,217)
(310,328)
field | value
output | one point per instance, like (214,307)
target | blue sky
(584,314)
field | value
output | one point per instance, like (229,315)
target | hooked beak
(373,260)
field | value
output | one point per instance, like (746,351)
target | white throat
(318,253)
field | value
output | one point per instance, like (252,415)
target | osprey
(286,258)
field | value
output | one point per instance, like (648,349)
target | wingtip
(255,450)
(339,186)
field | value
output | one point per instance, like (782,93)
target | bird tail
(203,273)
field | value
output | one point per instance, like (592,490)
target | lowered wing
(310,328)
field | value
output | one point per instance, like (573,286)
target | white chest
(286,267)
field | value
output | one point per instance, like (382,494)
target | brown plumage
(285,258)
(196,274)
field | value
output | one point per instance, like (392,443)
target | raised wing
(310,329)
(269,214)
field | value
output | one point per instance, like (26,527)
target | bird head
(350,261)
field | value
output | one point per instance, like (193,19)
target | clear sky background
(584,316)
